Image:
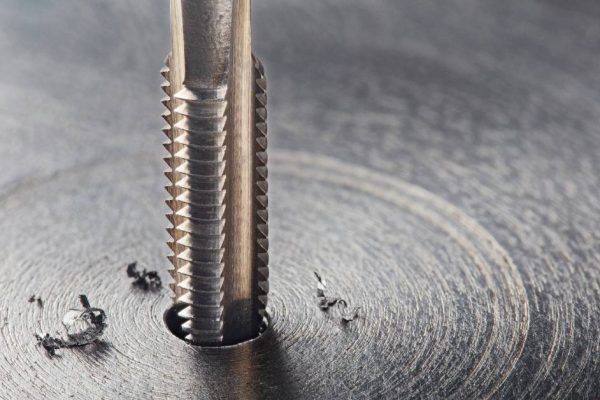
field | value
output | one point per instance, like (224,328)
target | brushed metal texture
(435,161)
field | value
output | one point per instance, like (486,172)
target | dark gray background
(436,160)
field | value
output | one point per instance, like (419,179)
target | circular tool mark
(443,310)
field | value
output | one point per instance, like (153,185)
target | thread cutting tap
(215,99)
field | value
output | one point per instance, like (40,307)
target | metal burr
(217,141)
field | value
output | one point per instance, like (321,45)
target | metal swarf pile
(326,302)
(83,326)
(145,280)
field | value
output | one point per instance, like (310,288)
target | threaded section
(195,129)
(261,188)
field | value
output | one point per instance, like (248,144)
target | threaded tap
(215,96)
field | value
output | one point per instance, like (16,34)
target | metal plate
(435,162)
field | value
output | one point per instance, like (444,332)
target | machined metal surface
(216,128)
(435,161)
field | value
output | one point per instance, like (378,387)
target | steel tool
(216,128)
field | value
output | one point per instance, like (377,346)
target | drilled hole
(174,324)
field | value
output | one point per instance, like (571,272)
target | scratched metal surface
(435,161)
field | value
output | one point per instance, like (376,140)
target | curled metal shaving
(83,326)
(325,302)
